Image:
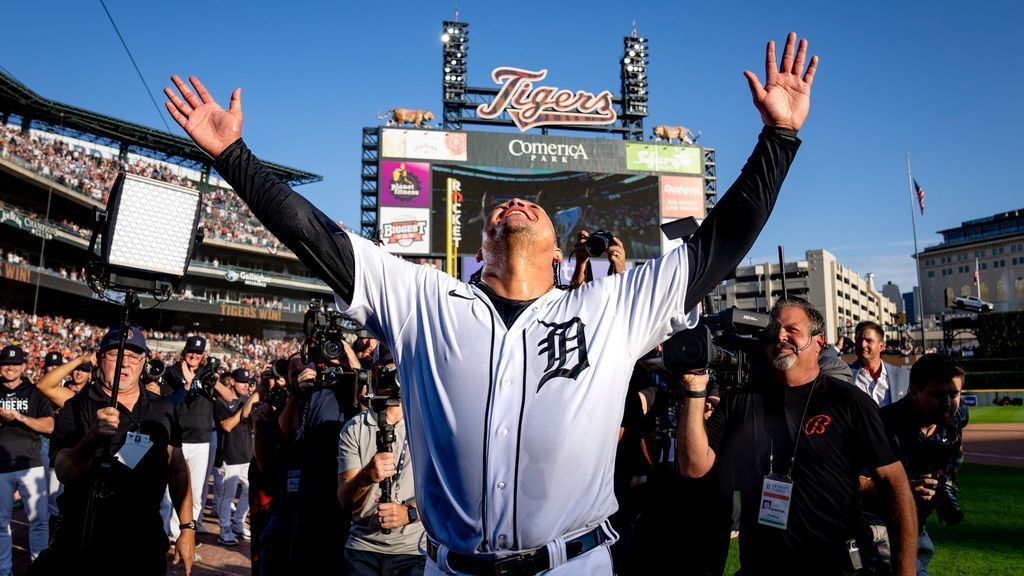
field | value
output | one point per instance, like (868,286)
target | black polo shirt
(195,412)
(235,447)
(840,435)
(132,512)
(19,445)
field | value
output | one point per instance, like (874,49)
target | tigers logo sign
(531,106)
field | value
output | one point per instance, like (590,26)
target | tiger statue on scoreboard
(401,116)
(681,133)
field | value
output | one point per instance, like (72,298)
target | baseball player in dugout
(513,389)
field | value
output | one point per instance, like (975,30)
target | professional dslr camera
(208,374)
(939,455)
(728,344)
(598,242)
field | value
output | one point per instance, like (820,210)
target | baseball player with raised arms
(514,389)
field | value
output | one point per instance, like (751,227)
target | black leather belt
(521,564)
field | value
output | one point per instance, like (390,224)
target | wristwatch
(413,514)
(188,526)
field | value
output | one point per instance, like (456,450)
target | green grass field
(996,414)
(990,541)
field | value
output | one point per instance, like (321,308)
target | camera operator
(25,414)
(793,443)
(264,468)
(925,430)
(385,532)
(307,515)
(111,514)
(236,443)
(195,415)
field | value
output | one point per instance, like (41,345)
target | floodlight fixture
(149,232)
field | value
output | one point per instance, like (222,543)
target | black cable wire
(159,111)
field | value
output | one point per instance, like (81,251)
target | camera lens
(331,349)
(597,244)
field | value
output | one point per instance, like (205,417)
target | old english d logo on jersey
(564,342)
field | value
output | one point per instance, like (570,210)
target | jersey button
(503,432)
(501,486)
(506,382)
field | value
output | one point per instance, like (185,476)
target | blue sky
(941,80)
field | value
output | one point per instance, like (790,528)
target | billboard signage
(405,184)
(423,145)
(546,152)
(658,158)
(969,399)
(405,230)
(530,106)
(682,196)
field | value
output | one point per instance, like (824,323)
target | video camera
(324,348)
(727,344)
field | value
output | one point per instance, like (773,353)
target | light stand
(147,233)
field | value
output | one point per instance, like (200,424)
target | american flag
(977,274)
(920,195)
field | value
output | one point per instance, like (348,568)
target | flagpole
(917,258)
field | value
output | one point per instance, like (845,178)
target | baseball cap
(53,359)
(241,375)
(84,367)
(195,344)
(12,355)
(112,338)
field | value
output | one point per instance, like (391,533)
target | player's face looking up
(519,219)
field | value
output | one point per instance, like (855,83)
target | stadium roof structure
(18,99)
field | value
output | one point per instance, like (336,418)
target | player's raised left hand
(785,98)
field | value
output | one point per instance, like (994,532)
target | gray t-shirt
(356,448)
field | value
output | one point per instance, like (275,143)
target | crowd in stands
(39,335)
(225,217)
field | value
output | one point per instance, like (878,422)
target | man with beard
(925,430)
(793,443)
(882,381)
(513,388)
(131,453)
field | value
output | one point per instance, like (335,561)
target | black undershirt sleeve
(318,241)
(731,228)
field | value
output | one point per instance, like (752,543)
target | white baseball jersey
(513,430)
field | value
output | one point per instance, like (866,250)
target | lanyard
(399,469)
(796,441)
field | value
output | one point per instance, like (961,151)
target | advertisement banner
(423,145)
(546,152)
(405,230)
(404,184)
(682,196)
(659,158)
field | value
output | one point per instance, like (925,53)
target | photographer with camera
(375,484)
(116,463)
(264,468)
(793,442)
(925,430)
(307,523)
(594,246)
(192,383)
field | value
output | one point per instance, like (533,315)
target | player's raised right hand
(381,466)
(211,127)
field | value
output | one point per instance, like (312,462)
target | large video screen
(627,205)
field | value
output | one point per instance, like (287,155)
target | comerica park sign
(530,106)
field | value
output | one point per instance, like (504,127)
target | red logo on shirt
(817,424)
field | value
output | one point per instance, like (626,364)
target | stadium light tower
(455,38)
(633,73)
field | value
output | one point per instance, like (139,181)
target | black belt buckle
(518,565)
